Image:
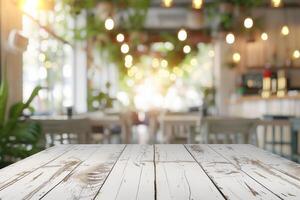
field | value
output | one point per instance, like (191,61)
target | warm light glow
(155,63)
(230,38)
(177,71)
(182,35)
(194,61)
(197,4)
(169,46)
(276,3)
(109,24)
(128,61)
(173,77)
(211,53)
(124,48)
(128,58)
(248,23)
(30,6)
(167,3)
(236,57)
(264,36)
(296,54)
(187,49)
(120,37)
(164,63)
(285,30)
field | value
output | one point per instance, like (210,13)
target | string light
(124,48)
(109,24)
(230,38)
(128,61)
(285,30)
(211,53)
(155,63)
(236,57)
(120,37)
(187,49)
(264,36)
(182,35)
(164,63)
(197,4)
(167,3)
(248,23)
(276,3)
(296,54)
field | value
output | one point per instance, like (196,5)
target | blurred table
(151,172)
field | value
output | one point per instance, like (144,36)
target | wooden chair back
(179,128)
(65,131)
(228,130)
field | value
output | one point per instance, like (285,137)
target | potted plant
(19,138)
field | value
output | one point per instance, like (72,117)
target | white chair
(180,127)
(65,131)
(228,130)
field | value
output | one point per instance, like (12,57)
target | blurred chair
(226,130)
(295,130)
(276,135)
(65,131)
(180,127)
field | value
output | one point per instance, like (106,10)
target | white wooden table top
(151,172)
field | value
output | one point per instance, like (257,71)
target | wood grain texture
(178,175)
(132,177)
(284,186)
(46,177)
(151,172)
(17,171)
(231,181)
(86,180)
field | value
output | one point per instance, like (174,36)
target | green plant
(18,138)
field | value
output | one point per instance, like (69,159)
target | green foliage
(18,138)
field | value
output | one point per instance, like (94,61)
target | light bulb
(182,35)
(167,3)
(187,49)
(128,58)
(276,3)
(124,48)
(236,57)
(285,30)
(109,24)
(296,54)
(264,36)
(120,37)
(230,38)
(248,23)
(197,4)
(164,63)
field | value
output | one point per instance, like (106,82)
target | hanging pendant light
(197,4)
(276,3)
(230,38)
(285,30)
(167,3)
(182,35)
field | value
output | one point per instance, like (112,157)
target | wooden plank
(39,182)
(132,177)
(232,182)
(19,170)
(285,166)
(284,186)
(86,180)
(178,175)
